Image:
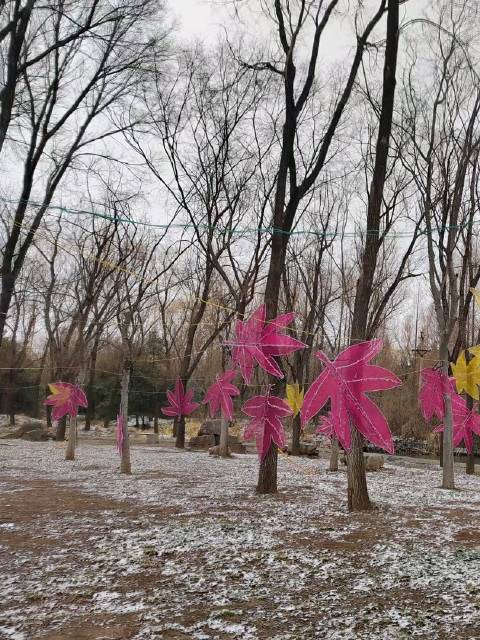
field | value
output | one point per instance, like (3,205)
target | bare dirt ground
(185,549)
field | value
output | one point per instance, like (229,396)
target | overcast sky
(197,18)
(203,20)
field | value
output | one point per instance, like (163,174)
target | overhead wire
(234,231)
(111,264)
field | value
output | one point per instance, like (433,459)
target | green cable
(246,230)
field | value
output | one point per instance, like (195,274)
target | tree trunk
(296,432)
(333,466)
(38,382)
(12,383)
(267,476)
(6,295)
(180,439)
(470,467)
(155,419)
(357,491)
(267,473)
(90,411)
(223,449)
(125,464)
(72,439)
(72,431)
(61,428)
(20,15)
(358,499)
(448,479)
(174,427)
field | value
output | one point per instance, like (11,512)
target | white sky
(200,19)
(204,20)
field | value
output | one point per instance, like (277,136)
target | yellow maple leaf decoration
(476,294)
(294,398)
(467,376)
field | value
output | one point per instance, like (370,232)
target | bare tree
(308,280)
(69,66)
(301,25)
(22,327)
(135,284)
(206,120)
(358,498)
(445,142)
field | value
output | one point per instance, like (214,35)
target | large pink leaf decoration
(219,395)
(265,425)
(259,341)
(120,433)
(466,422)
(65,399)
(344,382)
(434,385)
(180,401)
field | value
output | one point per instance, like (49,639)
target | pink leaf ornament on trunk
(466,422)
(434,385)
(344,382)
(65,399)
(120,433)
(259,341)
(265,424)
(180,401)
(219,395)
(326,427)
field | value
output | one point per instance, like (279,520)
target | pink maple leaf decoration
(260,341)
(180,401)
(466,422)
(434,385)
(219,394)
(265,425)
(326,427)
(344,382)
(65,399)
(120,433)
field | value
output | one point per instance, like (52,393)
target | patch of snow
(189,548)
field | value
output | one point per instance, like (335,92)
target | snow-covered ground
(185,549)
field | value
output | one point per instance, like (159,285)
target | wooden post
(180,438)
(296,431)
(223,448)
(72,429)
(333,466)
(72,439)
(125,464)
